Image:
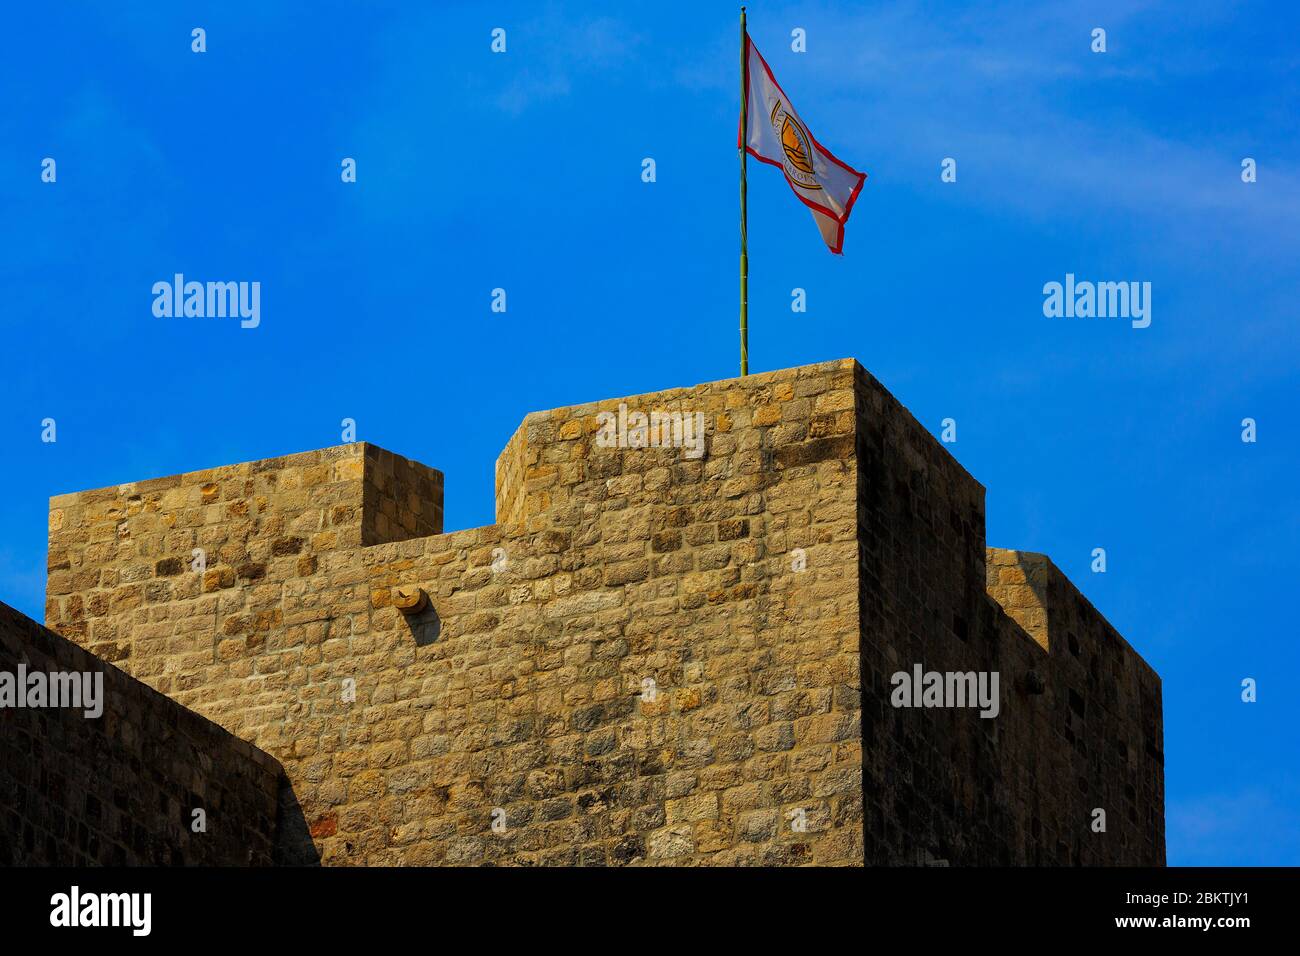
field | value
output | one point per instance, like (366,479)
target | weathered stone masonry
(768,590)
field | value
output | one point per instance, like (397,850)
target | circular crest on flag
(797,146)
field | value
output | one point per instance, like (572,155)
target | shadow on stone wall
(424,626)
(99,769)
(293,843)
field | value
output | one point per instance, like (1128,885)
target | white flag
(776,135)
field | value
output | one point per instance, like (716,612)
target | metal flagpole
(744,246)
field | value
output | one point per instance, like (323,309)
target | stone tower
(661,653)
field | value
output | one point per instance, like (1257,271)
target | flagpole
(744,243)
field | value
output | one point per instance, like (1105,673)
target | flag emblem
(797,146)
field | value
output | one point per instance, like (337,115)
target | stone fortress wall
(651,657)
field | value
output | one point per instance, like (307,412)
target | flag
(775,135)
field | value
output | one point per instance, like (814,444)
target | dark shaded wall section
(1079,727)
(120,789)
(1084,727)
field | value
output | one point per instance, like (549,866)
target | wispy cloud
(557,50)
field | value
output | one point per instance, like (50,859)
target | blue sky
(522,171)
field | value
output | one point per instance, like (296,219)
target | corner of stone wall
(1017,580)
(1047,606)
(511,468)
(401,498)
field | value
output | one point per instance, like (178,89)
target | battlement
(676,645)
(117,552)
